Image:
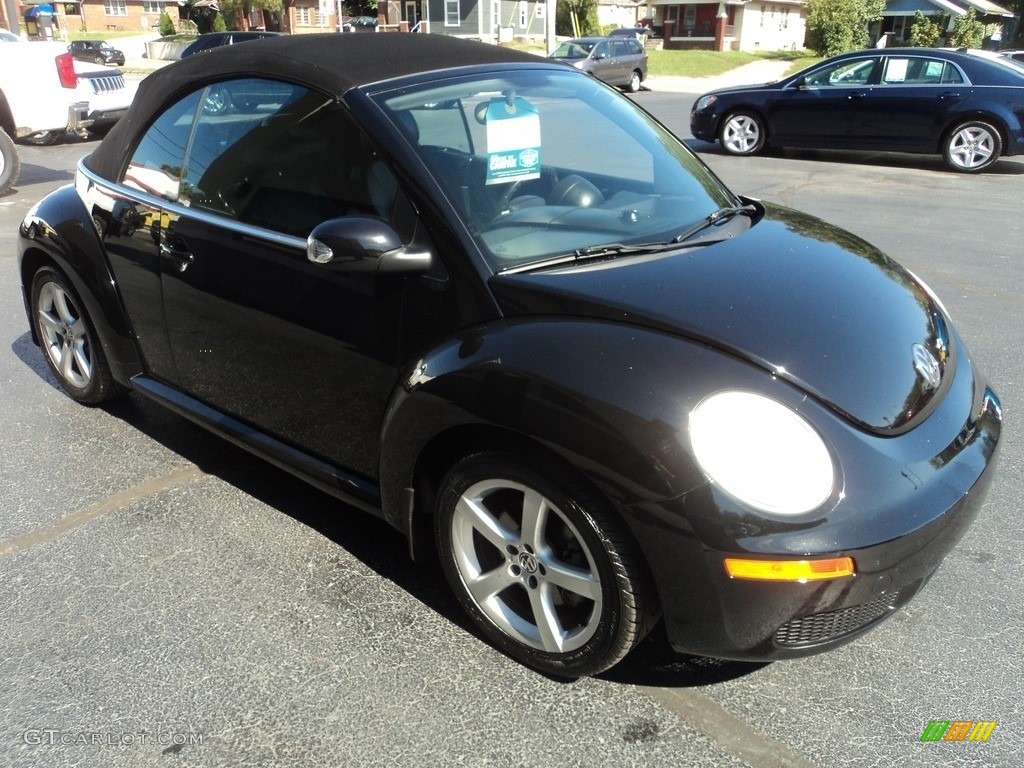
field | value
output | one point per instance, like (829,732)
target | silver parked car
(618,61)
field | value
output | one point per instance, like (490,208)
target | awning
(35,11)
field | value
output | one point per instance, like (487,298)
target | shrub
(166,25)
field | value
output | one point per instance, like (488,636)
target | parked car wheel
(540,564)
(972,146)
(634,81)
(69,341)
(10,164)
(44,138)
(742,133)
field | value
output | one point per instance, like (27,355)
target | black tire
(98,59)
(972,146)
(68,340)
(634,81)
(10,163)
(577,566)
(44,138)
(742,133)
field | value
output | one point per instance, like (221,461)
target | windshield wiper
(603,251)
(716,218)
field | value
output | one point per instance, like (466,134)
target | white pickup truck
(44,93)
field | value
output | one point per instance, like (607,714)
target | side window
(602,49)
(156,165)
(281,157)
(619,48)
(846,73)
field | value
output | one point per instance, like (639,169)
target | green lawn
(709,63)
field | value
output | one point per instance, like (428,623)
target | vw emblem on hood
(927,367)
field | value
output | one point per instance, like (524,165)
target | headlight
(704,102)
(761,452)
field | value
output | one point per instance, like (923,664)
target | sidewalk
(755,73)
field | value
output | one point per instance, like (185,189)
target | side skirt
(326,477)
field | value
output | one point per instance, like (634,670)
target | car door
(913,102)
(603,65)
(826,108)
(292,348)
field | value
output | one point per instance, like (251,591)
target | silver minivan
(617,60)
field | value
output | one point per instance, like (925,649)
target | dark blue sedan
(967,106)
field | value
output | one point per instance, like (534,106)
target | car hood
(808,302)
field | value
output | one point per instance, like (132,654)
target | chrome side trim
(176,209)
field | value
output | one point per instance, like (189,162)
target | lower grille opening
(832,625)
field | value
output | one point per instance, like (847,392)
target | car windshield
(542,163)
(572,50)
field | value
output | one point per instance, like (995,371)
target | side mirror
(363,244)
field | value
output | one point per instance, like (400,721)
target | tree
(166,25)
(968,32)
(577,18)
(837,26)
(924,33)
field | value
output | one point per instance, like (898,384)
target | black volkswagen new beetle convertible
(599,386)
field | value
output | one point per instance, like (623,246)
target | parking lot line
(729,732)
(111,503)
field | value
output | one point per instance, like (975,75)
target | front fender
(59,230)
(610,399)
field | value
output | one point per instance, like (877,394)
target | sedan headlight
(704,102)
(761,452)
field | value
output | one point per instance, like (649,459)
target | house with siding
(898,18)
(733,25)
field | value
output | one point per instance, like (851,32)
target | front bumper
(926,504)
(704,124)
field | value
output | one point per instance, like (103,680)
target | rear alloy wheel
(540,564)
(634,82)
(742,133)
(69,341)
(10,165)
(972,147)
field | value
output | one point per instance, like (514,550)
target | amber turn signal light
(789,570)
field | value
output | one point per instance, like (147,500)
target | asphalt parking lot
(169,600)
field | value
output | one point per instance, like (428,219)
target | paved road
(160,588)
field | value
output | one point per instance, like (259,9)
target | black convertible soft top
(333,63)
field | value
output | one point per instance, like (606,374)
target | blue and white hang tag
(513,141)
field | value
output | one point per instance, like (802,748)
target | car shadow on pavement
(375,543)
(37,174)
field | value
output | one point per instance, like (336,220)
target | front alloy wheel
(540,564)
(742,133)
(972,147)
(68,340)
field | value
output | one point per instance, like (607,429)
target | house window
(522,14)
(152,6)
(306,16)
(689,16)
(114,8)
(452,13)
